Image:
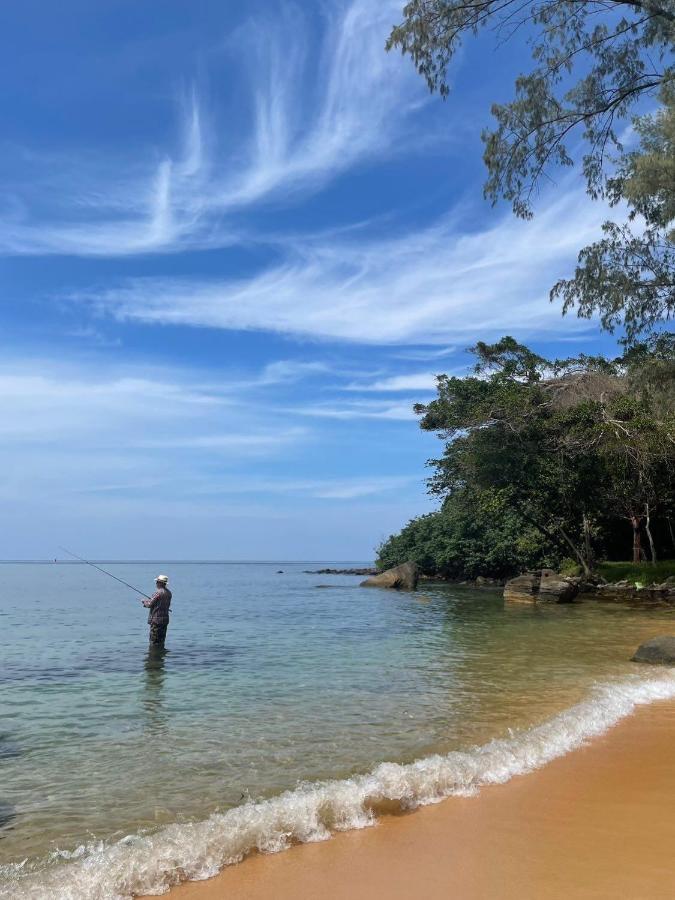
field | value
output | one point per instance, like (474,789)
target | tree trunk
(652,548)
(587,541)
(565,543)
(637,544)
(573,547)
(670,529)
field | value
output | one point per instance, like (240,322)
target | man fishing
(159,605)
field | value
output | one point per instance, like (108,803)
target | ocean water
(288,706)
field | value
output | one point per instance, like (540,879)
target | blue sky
(237,241)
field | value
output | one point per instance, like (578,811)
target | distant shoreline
(175,562)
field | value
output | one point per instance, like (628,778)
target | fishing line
(110,574)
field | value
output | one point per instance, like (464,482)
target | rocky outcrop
(546,586)
(659,651)
(556,588)
(522,589)
(628,590)
(401,578)
(368,571)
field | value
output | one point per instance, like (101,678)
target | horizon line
(177,562)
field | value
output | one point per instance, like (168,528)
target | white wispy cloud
(394,384)
(315,117)
(319,488)
(360,101)
(145,409)
(426,354)
(358,409)
(436,285)
(249,441)
(287,371)
(150,438)
(154,430)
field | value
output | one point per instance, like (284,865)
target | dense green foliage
(547,459)
(476,532)
(628,276)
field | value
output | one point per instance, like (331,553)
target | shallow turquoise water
(270,680)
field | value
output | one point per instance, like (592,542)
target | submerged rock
(659,651)
(402,578)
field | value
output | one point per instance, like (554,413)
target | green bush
(570,567)
(474,533)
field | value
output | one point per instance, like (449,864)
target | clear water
(270,681)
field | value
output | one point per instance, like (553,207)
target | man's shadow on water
(153,699)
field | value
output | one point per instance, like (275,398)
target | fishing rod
(110,574)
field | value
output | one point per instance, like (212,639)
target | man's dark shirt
(159,607)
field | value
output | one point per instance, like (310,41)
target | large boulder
(402,578)
(659,651)
(522,589)
(556,588)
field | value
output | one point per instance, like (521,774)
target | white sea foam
(151,863)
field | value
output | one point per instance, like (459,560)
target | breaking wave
(152,863)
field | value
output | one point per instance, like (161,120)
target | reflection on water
(153,688)
(7,816)
(8,748)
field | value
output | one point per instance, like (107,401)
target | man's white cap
(162,579)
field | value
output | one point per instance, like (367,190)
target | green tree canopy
(592,60)
(629,275)
(570,451)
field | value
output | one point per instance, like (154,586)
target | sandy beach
(597,823)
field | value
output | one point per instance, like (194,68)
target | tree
(629,278)
(635,438)
(475,532)
(560,449)
(508,428)
(592,61)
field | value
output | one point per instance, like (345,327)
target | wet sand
(598,823)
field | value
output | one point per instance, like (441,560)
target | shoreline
(594,823)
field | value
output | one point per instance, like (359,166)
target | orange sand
(599,823)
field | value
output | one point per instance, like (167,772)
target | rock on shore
(659,651)
(557,588)
(522,589)
(402,578)
(628,590)
(545,585)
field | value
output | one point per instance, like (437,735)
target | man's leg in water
(158,634)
